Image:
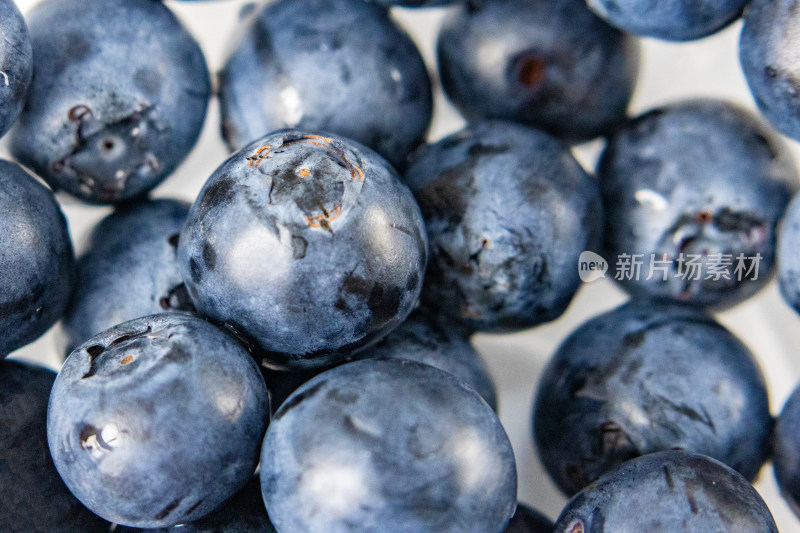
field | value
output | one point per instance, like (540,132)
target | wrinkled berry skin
(37,266)
(244,513)
(788,257)
(118,99)
(701,180)
(129,270)
(307,245)
(335,65)
(553,65)
(786,451)
(670,20)
(387,445)
(34,497)
(668,492)
(157,421)
(508,211)
(425,338)
(16,64)
(645,377)
(768,53)
(527,520)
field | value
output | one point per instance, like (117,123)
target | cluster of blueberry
(291,352)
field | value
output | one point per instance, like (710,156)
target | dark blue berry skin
(416,3)
(508,211)
(387,445)
(157,421)
(244,513)
(16,63)
(336,65)
(282,383)
(786,451)
(788,256)
(527,520)
(425,338)
(645,377)
(768,53)
(129,269)
(34,499)
(553,65)
(37,266)
(306,244)
(118,99)
(670,20)
(668,492)
(698,178)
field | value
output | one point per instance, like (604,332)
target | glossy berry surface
(442,344)
(157,421)
(695,191)
(668,492)
(37,266)
(508,211)
(671,20)
(389,445)
(786,453)
(244,513)
(308,245)
(647,377)
(336,65)
(768,53)
(527,520)
(34,497)
(553,65)
(118,99)
(16,64)
(129,269)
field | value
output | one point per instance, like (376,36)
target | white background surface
(669,72)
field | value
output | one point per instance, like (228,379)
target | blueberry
(671,20)
(16,64)
(416,3)
(668,492)
(37,266)
(336,65)
(34,499)
(129,270)
(553,65)
(428,339)
(157,421)
(387,445)
(424,338)
(786,454)
(645,377)
(788,258)
(244,513)
(118,99)
(508,211)
(527,520)
(768,52)
(306,244)
(693,192)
